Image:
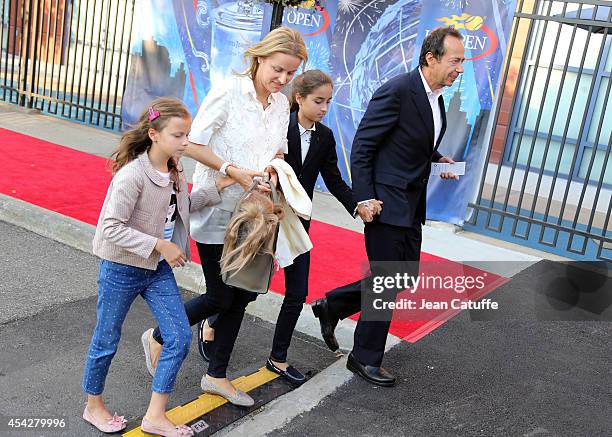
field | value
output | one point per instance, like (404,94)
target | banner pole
(277,16)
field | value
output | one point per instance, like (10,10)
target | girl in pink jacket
(142,233)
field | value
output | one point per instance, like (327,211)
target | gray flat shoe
(240,399)
(145,345)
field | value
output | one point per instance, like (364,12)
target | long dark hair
(137,141)
(306,83)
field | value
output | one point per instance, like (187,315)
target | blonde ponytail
(250,231)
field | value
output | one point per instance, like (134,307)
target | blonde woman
(240,127)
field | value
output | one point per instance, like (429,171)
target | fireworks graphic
(202,16)
(383,54)
(349,6)
(318,55)
(358,15)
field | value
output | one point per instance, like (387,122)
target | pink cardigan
(134,213)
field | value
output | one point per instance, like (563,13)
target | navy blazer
(321,158)
(393,149)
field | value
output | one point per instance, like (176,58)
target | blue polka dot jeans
(118,286)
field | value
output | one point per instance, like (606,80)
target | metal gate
(547,180)
(67,57)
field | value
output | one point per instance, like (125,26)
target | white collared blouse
(233,123)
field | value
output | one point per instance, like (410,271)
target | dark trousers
(296,290)
(383,243)
(228,302)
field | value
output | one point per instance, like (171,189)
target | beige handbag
(256,275)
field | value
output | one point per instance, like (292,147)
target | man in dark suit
(391,157)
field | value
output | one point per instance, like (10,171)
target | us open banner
(376,40)
(182,47)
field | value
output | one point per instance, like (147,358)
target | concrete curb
(282,410)
(73,233)
(47,223)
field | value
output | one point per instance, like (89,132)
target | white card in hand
(457,168)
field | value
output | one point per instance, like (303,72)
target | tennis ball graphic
(475,22)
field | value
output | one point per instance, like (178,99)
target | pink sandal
(178,431)
(116,424)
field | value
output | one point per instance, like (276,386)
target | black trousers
(296,290)
(228,302)
(383,243)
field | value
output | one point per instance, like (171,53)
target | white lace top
(233,123)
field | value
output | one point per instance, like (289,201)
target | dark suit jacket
(393,149)
(321,158)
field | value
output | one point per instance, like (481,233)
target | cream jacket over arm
(293,240)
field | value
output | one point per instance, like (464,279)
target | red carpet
(74,184)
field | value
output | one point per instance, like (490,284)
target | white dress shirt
(233,123)
(433,96)
(305,137)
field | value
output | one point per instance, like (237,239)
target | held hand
(375,206)
(223,182)
(243,176)
(448,174)
(365,213)
(273,178)
(368,210)
(261,187)
(171,253)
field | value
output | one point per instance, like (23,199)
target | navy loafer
(292,374)
(203,345)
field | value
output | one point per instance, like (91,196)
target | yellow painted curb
(205,403)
